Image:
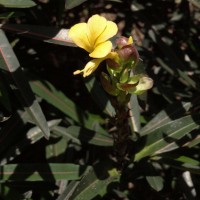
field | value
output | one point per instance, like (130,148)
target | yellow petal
(91,66)
(96,25)
(77,72)
(130,40)
(113,55)
(102,50)
(110,30)
(78,33)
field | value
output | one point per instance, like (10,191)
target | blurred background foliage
(55,135)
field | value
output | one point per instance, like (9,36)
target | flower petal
(110,30)
(102,50)
(130,40)
(91,66)
(78,33)
(96,25)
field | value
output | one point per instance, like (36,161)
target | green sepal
(107,85)
(124,75)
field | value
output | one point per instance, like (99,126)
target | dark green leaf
(33,135)
(95,182)
(183,163)
(41,172)
(56,149)
(79,134)
(69,4)
(193,142)
(8,193)
(8,15)
(99,96)
(164,138)
(171,113)
(46,34)
(68,191)
(4,96)
(10,66)
(156,182)
(9,132)
(134,114)
(17,3)
(58,99)
(172,57)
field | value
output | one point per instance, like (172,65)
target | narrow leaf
(171,113)
(10,66)
(164,138)
(41,172)
(99,96)
(4,96)
(79,134)
(171,55)
(46,34)
(58,99)
(156,182)
(134,114)
(56,149)
(17,4)
(68,191)
(69,4)
(180,163)
(9,132)
(92,184)
(8,15)
(33,135)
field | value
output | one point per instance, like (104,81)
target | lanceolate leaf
(99,96)
(9,132)
(156,182)
(4,96)
(164,138)
(170,54)
(79,134)
(10,66)
(33,135)
(183,163)
(171,113)
(46,34)
(69,4)
(92,184)
(17,3)
(41,172)
(134,114)
(68,191)
(58,99)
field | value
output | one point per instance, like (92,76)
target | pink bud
(122,41)
(128,53)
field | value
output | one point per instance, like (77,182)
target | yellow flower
(93,36)
(92,65)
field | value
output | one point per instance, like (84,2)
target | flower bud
(129,53)
(122,41)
